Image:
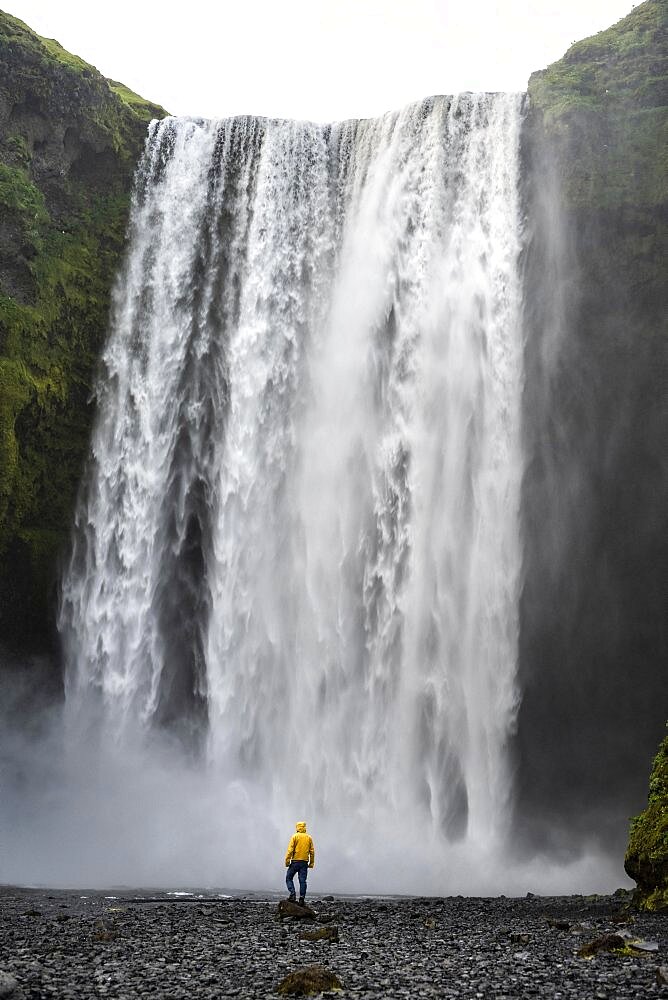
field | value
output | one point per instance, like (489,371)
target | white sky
(317,59)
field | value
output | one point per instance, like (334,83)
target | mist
(89,815)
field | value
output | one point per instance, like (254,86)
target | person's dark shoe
(292,899)
(301,901)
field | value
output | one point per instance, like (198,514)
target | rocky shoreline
(120,944)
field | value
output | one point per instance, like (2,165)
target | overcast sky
(318,59)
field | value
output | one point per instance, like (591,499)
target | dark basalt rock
(168,948)
(288,909)
(608,942)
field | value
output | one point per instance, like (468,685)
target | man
(299,857)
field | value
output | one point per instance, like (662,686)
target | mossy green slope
(647,855)
(69,144)
(606,99)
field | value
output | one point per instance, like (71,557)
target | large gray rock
(8,985)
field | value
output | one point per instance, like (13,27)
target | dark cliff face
(69,142)
(594,612)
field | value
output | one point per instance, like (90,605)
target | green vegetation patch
(647,854)
(604,104)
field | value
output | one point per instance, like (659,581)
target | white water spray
(297,546)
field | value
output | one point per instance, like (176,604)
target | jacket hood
(300,827)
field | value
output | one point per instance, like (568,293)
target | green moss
(16,33)
(15,390)
(19,196)
(65,58)
(140,106)
(616,65)
(18,149)
(647,854)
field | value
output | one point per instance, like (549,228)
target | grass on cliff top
(140,106)
(14,31)
(603,107)
(626,63)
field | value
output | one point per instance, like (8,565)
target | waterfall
(297,550)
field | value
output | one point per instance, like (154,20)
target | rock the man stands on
(299,857)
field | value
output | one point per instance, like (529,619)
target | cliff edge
(69,143)
(593,641)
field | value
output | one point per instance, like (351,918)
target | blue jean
(299,868)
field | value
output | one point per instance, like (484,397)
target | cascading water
(297,545)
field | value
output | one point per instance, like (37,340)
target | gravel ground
(124,944)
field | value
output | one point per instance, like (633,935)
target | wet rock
(608,942)
(560,925)
(237,949)
(321,934)
(645,946)
(311,979)
(288,909)
(662,975)
(103,933)
(8,985)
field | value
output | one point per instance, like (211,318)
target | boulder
(608,942)
(286,908)
(321,934)
(8,985)
(311,979)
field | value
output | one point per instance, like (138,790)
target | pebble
(487,949)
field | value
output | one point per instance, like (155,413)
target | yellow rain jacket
(300,847)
